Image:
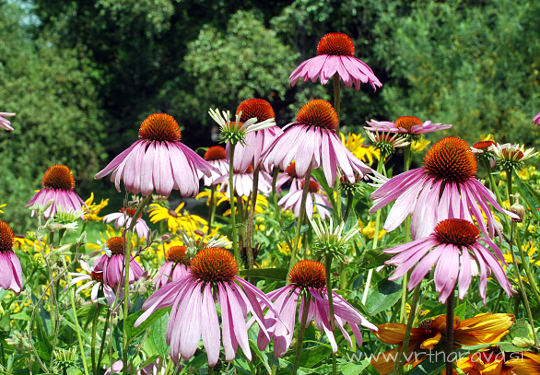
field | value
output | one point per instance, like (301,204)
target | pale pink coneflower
(457,253)
(311,141)
(124,218)
(175,266)
(4,122)
(406,125)
(289,176)
(57,193)
(249,154)
(335,55)
(11,275)
(113,264)
(94,278)
(158,161)
(445,187)
(217,157)
(308,282)
(315,201)
(243,182)
(536,119)
(212,278)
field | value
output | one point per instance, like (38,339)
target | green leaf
(383,296)
(157,335)
(266,273)
(133,332)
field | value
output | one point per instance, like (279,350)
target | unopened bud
(519,210)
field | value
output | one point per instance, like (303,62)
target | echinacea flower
(236,131)
(243,182)
(217,157)
(486,328)
(94,278)
(124,218)
(511,156)
(158,161)
(11,275)
(315,201)
(406,125)
(457,253)
(57,193)
(387,142)
(289,176)
(311,141)
(335,55)
(174,268)
(308,281)
(113,264)
(4,122)
(258,141)
(212,278)
(443,188)
(536,119)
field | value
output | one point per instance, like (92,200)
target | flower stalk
(231,199)
(305,192)
(212,210)
(301,331)
(398,365)
(449,333)
(328,266)
(251,214)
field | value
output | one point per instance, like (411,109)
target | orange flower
(529,364)
(490,362)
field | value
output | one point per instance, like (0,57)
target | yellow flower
(177,219)
(490,362)
(110,232)
(487,137)
(529,249)
(369,230)
(2,206)
(528,365)
(419,145)
(260,206)
(91,213)
(285,249)
(355,144)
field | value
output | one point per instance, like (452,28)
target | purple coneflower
(243,182)
(308,281)
(94,276)
(124,218)
(289,176)
(11,275)
(335,55)
(536,119)
(314,200)
(158,161)
(406,125)
(311,141)
(457,253)
(113,265)
(217,157)
(258,141)
(174,268)
(58,190)
(4,122)
(213,278)
(445,187)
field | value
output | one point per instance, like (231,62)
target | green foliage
(58,119)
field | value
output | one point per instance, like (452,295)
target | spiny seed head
(258,108)
(160,127)
(335,44)
(451,159)
(116,245)
(58,177)
(177,254)
(318,112)
(407,122)
(291,170)
(215,153)
(308,274)
(213,265)
(313,186)
(457,232)
(6,238)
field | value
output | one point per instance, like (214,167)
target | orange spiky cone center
(291,170)
(407,122)
(308,274)
(160,127)
(215,153)
(336,44)
(58,177)
(313,186)
(97,276)
(318,113)
(177,254)
(457,232)
(116,245)
(451,159)
(258,108)
(213,265)
(6,237)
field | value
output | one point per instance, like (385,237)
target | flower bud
(519,210)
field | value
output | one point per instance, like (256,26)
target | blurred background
(83,75)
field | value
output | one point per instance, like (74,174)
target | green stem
(349,205)
(328,266)
(398,364)
(103,337)
(212,209)
(95,321)
(407,158)
(449,333)
(375,242)
(528,272)
(301,330)
(249,230)
(301,216)
(231,199)
(403,314)
(274,189)
(337,98)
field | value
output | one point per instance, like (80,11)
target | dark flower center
(215,153)
(6,238)
(319,113)
(177,254)
(213,264)
(116,245)
(407,122)
(335,44)
(58,177)
(308,274)
(258,108)
(160,127)
(451,159)
(291,170)
(457,232)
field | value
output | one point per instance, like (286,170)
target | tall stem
(249,230)
(337,98)
(274,188)
(95,322)
(301,330)
(103,337)
(328,266)
(301,216)
(449,333)
(231,198)
(398,364)
(212,209)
